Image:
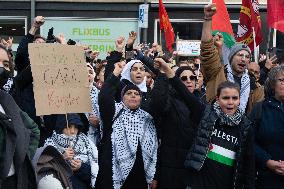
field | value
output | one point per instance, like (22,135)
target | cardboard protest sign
(60,79)
(188,47)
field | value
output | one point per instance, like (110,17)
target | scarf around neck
(225,119)
(84,149)
(245,86)
(130,129)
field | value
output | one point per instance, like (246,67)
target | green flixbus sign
(98,34)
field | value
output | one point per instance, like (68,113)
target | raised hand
(270,62)
(118,67)
(131,38)
(61,38)
(218,40)
(38,21)
(120,43)
(94,120)
(209,11)
(164,67)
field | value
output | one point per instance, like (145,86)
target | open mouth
(242,65)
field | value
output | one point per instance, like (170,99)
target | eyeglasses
(135,69)
(191,78)
(281,80)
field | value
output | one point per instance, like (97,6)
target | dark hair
(39,36)
(269,85)
(4,48)
(182,69)
(227,84)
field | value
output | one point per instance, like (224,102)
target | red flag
(221,20)
(166,25)
(275,14)
(249,19)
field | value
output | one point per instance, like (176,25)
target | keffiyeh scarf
(84,149)
(245,86)
(131,128)
(225,119)
(95,134)
(8,85)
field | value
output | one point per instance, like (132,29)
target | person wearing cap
(128,148)
(175,125)
(77,149)
(236,71)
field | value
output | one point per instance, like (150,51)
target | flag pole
(268,43)
(161,37)
(274,38)
(254,45)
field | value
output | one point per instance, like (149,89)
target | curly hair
(269,85)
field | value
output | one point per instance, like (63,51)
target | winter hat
(130,87)
(72,119)
(236,48)
(183,68)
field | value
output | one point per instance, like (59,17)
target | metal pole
(32,10)
(144,30)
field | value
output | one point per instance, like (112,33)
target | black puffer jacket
(244,166)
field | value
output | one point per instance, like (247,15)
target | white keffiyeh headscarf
(85,150)
(125,74)
(245,86)
(131,128)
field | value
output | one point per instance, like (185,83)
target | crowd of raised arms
(158,120)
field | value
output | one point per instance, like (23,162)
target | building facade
(99,20)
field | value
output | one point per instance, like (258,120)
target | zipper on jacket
(207,147)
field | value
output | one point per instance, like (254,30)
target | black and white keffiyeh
(231,120)
(8,84)
(85,150)
(131,128)
(95,134)
(245,86)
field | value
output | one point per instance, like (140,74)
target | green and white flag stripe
(221,155)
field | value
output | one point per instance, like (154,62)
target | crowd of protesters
(157,122)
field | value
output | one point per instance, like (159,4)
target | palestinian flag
(221,155)
(221,23)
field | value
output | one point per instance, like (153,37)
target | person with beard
(221,154)
(128,149)
(19,137)
(175,125)
(236,71)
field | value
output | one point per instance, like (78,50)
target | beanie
(130,87)
(236,48)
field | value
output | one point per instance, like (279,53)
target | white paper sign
(188,47)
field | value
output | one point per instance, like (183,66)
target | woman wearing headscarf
(221,154)
(268,117)
(77,150)
(128,149)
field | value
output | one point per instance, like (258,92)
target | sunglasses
(191,78)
